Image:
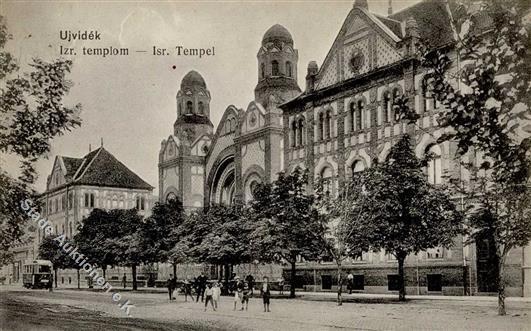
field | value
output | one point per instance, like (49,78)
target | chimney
(390,8)
(90,148)
(311,75)
(412,36)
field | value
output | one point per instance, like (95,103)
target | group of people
(244,291)
(210,292)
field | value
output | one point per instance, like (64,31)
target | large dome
(193,78)
(277,33)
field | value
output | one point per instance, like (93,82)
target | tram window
(44,268)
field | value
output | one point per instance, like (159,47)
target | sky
(129,101)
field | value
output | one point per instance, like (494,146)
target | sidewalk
(313,296)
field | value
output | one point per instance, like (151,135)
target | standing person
(124,280)
(201,286)
(209,293)
(237,291)
(169,284)
(281,285)
(216,292)
(265,291)
(50,283)
(246,293)
(350,282)
(187,289)
(250,280)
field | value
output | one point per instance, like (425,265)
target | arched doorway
(223,184)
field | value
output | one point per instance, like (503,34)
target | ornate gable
(57,177)
(363,44)
(229,122)
(170,149)
(254,118)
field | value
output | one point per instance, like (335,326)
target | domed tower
(277,67)
(193,108)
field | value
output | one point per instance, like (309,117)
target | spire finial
(390,8)
(90,148)
(362,4)
(101,141)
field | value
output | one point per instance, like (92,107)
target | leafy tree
(285,225)
(485,104)
(31,114)
(159,232)
(226,241)
(336,213)
(399,211)
(126,242)
(49,249)
(92,234)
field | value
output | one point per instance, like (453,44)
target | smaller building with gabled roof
(76,186)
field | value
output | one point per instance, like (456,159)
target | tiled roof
(433,19)
(393,25)
(86,161)
(71,165)
(101,168)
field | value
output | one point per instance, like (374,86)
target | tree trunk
(55,277)
(292,280)
(135,287)
(401,280)
(78,280)
(174,265)
(501,285)
(227,276)
(339,285)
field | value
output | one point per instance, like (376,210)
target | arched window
(328,124)
(140,203)
(352,117)
(396,94)
(357,166)
(301,132)
(200,108)
(189,107)
(434,169)
(171,196)
(321,126)
(294,134)
(359,112)
(387,107)
(253,187)
(327,180)
(262,70)
(426,96)
(274,68)
(289,70)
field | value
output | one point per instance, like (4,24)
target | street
(83,310)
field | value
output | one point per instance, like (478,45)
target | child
(216,292)
(266,294)
(209,292)
(187,289)
(245,295)
(238,291)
